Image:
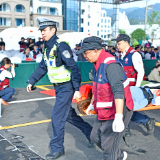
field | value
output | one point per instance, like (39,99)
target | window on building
(108,31)
(97,33)
(88,8)
(19,22)
(105,31)
(82,21)
(101,30)
(101,14)
(53,11)
(105,21)
(101,26)
(19,8)
(108,20)
(98,25)
(104,36)
(88,30)
(5,7)
(101,36)
(83,11)
(5,21)
(89,16)
(104,14)
(88,23)
(101,20)
(105,26)
(82,29)
(109,27)
(47,10)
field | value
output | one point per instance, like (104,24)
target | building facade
(70,11)
(14,13)
(94,21)
(51,9)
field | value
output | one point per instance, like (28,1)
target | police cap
(122,37)
(90,43)
(45,22)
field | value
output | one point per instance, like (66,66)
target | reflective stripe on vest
(104,104)
(56,74)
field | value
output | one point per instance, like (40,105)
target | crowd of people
(30,49)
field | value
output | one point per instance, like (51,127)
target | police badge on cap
(45,22)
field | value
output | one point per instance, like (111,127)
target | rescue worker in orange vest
(112,99)
(5,91)
(134,69)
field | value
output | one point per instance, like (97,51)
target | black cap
(90,43)
(122,37)
(22,37)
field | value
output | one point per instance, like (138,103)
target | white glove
(118,125)
(90,108)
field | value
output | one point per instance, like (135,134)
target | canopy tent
(12,36)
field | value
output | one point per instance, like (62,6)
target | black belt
(59,84)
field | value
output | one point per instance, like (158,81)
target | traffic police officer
(63,72)
(133,67)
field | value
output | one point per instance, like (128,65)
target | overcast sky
(139,4)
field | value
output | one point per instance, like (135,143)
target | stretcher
(83,103)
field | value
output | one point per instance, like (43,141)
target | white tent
(73,38)
(12,36)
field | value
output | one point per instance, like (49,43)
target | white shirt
(147,56)
(24,56)
(6,74)
(138,66)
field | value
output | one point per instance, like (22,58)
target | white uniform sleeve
(6,74)
(138,66)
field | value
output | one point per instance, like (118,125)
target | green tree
(138,34)
(121,31)
(153,18)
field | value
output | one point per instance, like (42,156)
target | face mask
(36,49)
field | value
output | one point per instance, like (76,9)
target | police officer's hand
(29,88)
(77,94)
(118,124)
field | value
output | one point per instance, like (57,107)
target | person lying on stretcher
(142,96)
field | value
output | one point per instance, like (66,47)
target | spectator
(147,44)
(155,54)
(139,51)
(154,75)
(2,43)
(81,56)
(22,44)
(35,52)
(74,51)
(113,51)
(148,54)
(152,49)
(41,48)
(157,62)
(27,43)
(39,42)
(31,44)
(158,50)
(5,91)
(145,50)
(26,54)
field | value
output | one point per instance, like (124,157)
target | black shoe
(90,144)
(54,155)
(127,132)
(150,126)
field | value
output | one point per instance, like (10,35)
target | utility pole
(146,15)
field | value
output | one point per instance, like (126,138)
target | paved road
(37,137)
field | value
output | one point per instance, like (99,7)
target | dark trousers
(139,118)
(104,137)
(63,112)
(7,93)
